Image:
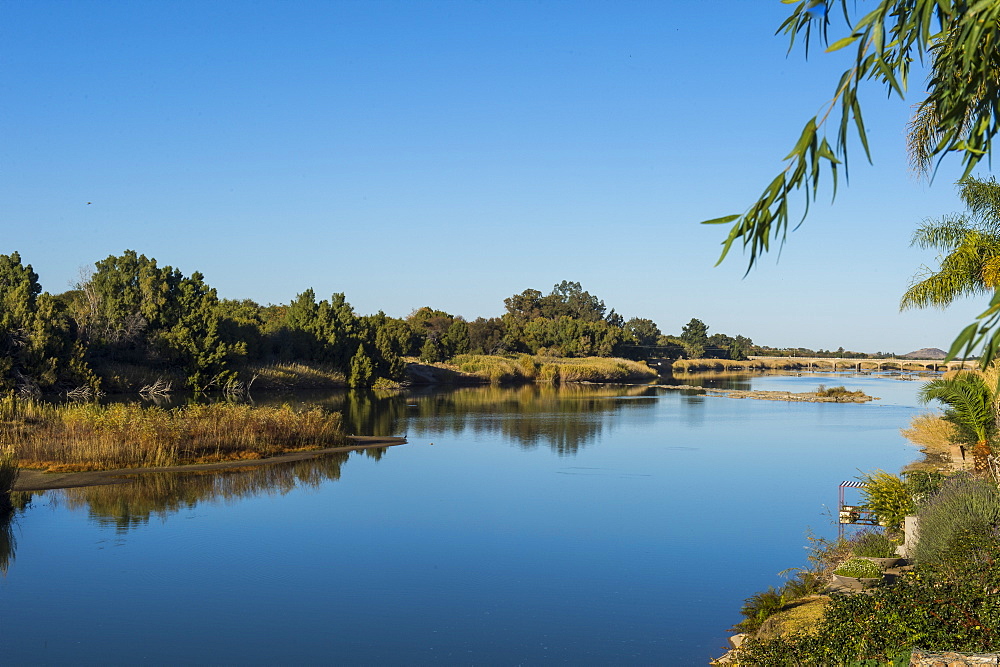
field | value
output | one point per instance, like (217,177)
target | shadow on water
(8,521)
(125,506)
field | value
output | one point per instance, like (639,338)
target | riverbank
(471,369)
(37,480)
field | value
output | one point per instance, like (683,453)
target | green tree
(970,243)
(960,114)
(694,337)
(971,400)
(157,314)
(486,335)
(38,346)
(362,371)
(456,340)
(194,336)
(645,331)
(431,351)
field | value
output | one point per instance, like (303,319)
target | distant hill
(927,353)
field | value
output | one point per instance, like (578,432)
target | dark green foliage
(735,348)
(569,337)
(131,306)
(38,348)
(567,299)
(922,609)
(456,340)
(694,337)
(362,372)
(644,331)
(486,335)
(969,403)
(432,351)
(948,602)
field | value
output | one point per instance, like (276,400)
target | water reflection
(562,418)
(8,518)
(125,506)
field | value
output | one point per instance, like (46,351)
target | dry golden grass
(552,370)
(689,365)
(89,436)
(931,433)
(803,615)
(294,376)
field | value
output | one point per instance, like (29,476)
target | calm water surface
(588,525)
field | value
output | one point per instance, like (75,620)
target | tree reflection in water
(563,418)
(125,506)
(8,520)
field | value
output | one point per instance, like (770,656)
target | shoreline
(37,480)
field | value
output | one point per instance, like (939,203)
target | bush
(838,392)
(873,545)
(859,568)
(921,609)
(888,497)
(964,505)
(758,608)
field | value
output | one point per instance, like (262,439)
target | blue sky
(451,154)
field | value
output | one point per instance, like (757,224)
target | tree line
(131,310)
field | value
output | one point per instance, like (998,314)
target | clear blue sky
(451,154)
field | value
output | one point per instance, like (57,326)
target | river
(582,525)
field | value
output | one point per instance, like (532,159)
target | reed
(295,376)
(8,476)
(552,370)
(91,436)
(931,433)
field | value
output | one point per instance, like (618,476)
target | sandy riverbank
(36,480)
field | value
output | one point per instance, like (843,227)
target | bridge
(897,363)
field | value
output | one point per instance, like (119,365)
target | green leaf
(721,221)
(963,342)
(841,43)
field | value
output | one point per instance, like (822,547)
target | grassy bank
(89,436)
(551,370)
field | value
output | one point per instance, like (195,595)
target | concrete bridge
(897,364)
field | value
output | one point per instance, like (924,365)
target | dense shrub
(888,497)
(964,505)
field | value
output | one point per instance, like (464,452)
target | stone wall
(951,659)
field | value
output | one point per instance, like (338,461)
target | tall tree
(694,337)
(645,331)
(38,346)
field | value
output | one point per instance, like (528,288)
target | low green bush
(921,609)
(873,545)
(859,568)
